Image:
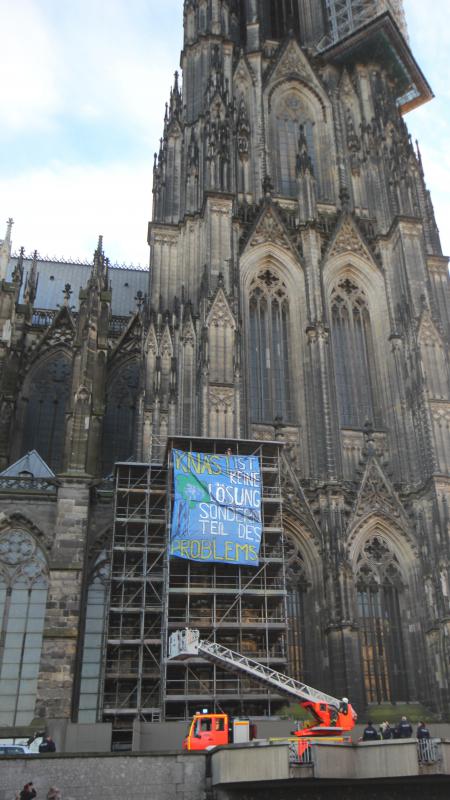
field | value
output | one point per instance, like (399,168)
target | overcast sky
(84,84)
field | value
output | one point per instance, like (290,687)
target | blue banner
(216,515)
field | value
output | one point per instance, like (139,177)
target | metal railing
(429,751)
(22,484)
(299,756)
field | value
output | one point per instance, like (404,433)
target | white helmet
(345,699)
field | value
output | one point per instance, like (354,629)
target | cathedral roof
(32,463)
(54,275)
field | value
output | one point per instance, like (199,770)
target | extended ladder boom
(186,644)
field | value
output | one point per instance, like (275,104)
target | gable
(292,64)
(269,228)
(32,463)
(377,495)
(348,239)
(220,314)
(60,333)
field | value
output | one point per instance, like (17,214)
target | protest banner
(216,514)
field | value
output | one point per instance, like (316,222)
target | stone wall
(163,777)
(373,790)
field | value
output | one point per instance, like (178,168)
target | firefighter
(404,729)
(422,731)
(370,734)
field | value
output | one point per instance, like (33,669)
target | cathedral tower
(296,258)
(298,297)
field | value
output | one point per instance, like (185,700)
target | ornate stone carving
(220,398)
(377,498)
(269,283)
(348,241)
(15,547)
(220,314)
(188,334)
(20,557)
(166,345)
(269,230)
(377,564)
(292,63)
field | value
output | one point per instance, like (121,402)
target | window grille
(380,589)
(269,353)
(23,598)
(353,353)
(119,423)
(45,413)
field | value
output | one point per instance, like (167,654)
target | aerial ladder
(333,718)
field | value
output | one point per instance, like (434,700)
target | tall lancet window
(271,392)
(280,16)
(45,409)
(353,353)
(119,426)
(297,587)
(380,588)
(94,632)
(289,114)
(23,598)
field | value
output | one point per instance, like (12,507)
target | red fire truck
(333,718)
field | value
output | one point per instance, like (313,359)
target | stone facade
(297,293)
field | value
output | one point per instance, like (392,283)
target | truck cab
(215,730)
(207,730)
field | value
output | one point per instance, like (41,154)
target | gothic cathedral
(297,301)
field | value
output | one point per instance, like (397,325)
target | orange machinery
(333,719)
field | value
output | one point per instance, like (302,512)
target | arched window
(297,586)
(353,354)
(289,113)
(45,415)
(379,588)
(94,632)
(119,424)
(23,598)
(280,16)
(269,350)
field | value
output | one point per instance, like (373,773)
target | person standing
(47,745)
(370,734)
(386,731)
(404,728)
(422,731)
(28,792)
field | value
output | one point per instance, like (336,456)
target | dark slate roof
(53,276)
(32,463)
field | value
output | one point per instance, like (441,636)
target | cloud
(63,209)
(430,124)
(82,112)
(28,64)
(85,60)
(80,118)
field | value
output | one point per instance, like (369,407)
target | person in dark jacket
(370,734)
(404,729)
(28,792)
(47,745)
(386,731)
(422,731)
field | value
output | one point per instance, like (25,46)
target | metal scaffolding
(133,654)
(150,596)
(346,16)
(243,608)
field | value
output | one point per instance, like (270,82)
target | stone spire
(87,404)
(5,250)
(307,188)
(32,281)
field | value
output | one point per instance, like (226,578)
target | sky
(84,83)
